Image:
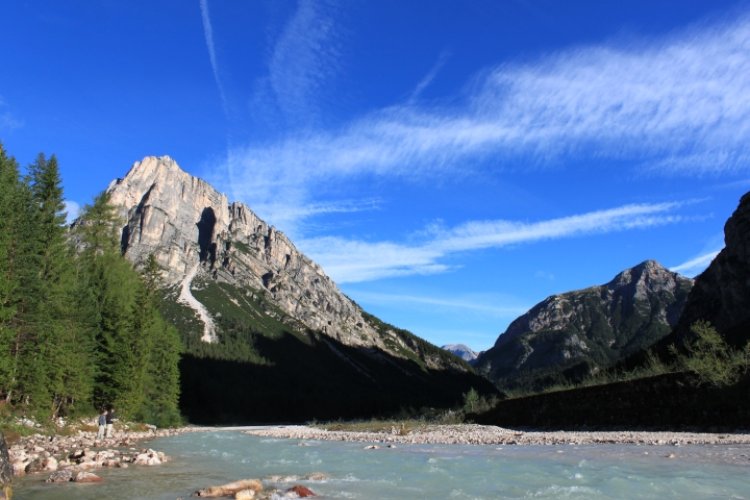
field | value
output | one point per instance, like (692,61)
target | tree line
(79,326)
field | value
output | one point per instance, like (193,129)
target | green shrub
(711,358)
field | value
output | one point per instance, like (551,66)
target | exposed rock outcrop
(721,294)
(571,335)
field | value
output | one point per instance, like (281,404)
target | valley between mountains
(173,303)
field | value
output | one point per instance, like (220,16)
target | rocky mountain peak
(589,328)
(648,276)
(198,236)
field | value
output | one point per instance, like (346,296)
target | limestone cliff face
(722,292)
(168,213)
(194,231)
(575,333)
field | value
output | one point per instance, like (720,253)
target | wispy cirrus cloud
(303,59)
(208,34)
(696,265)
(676,105)
(348,261)
(488,306)
(288,215)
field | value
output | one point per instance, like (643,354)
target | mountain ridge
(569,336)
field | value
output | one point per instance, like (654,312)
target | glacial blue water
(421,471)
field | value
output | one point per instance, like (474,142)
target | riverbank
(492,435)
(63,457)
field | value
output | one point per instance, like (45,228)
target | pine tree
(9,282)
(111,285)
(19,281)
(55,369)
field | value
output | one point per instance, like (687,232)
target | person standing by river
(109,419)
(102,424)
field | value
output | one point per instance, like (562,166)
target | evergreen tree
(55,368)
(78,325)
(9,283)
(19,281)
(112,284)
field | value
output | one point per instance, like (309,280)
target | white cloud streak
(696,265)
(471,304)
(677,105)
(304,57)
(348,261)
(208,34)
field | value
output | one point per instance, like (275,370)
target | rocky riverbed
(492,435)
(74,457)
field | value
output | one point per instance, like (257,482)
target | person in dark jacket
(110,418)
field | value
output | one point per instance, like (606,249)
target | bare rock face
(194,231)
(722,292)
(168,213)
(571,335)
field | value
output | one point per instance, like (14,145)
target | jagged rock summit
(193,229)
(568,336)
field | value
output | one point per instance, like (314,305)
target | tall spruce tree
(9,282)
(62,375)
(19,280)
(111,291)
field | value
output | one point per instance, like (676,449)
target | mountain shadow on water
(314,378)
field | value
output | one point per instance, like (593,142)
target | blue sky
(449,163)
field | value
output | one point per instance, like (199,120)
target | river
(208,458)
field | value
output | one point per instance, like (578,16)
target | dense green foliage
(711,359)
(79,327)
